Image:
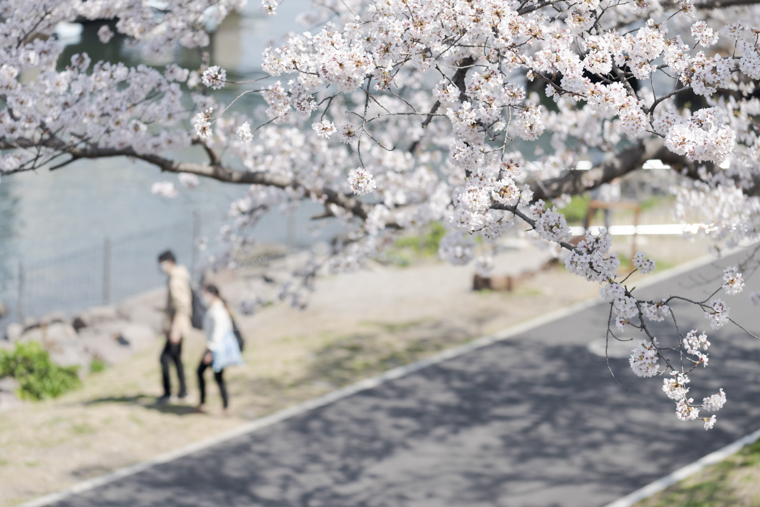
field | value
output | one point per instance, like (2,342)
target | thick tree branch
(460,75)
(628,160)
(225,174)
(693,171)
(459,81)
(213,156)
(720,4)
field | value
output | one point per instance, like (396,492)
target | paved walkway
(535,420)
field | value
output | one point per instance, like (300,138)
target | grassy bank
(734,482)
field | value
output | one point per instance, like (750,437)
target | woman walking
(221,345)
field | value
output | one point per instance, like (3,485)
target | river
(45,215)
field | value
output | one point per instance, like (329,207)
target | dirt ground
(355,326)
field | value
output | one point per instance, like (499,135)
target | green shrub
(575,212)
(409,249)
(425,244)
(38,376)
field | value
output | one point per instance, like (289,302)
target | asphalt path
(535,420)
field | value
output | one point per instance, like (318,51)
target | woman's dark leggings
(218,376)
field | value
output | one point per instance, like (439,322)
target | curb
(683,473)
(307,406)
(360,386)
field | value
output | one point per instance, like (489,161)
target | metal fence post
(194,245)
(21,293)
(106,270)
(291,232)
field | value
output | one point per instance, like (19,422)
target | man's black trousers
(173,353)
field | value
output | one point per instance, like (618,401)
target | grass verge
(734,482)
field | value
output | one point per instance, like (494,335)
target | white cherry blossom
(643,359)
(324,129)
(214,77)
(733,283)
(717,313)
(715,402)
(164,189)
(361,181)
(244,133)
(644,264)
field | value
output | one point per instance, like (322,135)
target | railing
(125,266)
(102,274)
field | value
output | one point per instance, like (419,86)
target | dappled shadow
(146,401)
(374,351)
(138,399)
(532,421)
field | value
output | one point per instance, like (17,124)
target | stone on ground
(102,341)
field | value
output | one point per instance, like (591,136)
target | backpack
(199,310)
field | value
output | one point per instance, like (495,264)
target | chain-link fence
(125,266)
(103,274)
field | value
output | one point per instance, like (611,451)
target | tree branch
(225,174)
(720,4)
(628,160)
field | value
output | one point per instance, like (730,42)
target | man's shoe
(184,398)
(163,400)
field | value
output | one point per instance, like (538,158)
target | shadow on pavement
(536,420)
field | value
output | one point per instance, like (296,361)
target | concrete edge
(357,387)
(682,473)
(306,406)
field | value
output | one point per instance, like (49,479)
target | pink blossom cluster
(361,181)
(644,264)
(693,342)
(592,259)
(675,388)
(715,402)
(717,313)
(643,359)
(655,312)
(733,283)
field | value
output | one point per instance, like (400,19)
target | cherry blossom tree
(393,114)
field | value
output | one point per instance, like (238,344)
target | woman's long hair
(214,291)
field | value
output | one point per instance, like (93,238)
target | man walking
(177,324)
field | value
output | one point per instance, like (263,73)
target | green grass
(82,429)
(394,327)
(345,358)
(575,212)
(409,249)
(97,365)
(136,420)
(733,482)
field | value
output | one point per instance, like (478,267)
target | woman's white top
(216,324)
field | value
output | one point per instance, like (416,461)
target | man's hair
(167,256)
